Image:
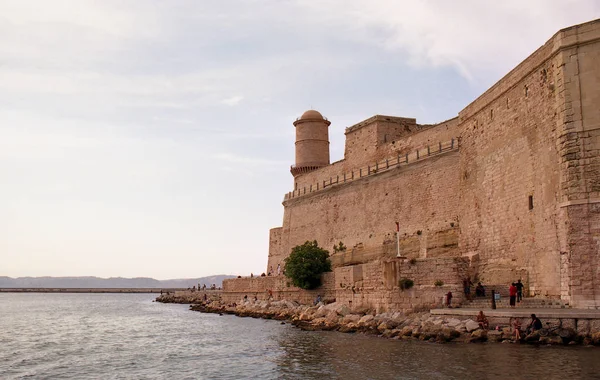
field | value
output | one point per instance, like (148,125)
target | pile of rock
(422,326)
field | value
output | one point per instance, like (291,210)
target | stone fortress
(509,189)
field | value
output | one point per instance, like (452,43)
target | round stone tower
(312,142)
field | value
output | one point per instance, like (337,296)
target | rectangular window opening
(531,202)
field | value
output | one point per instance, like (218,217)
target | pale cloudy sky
(154,138)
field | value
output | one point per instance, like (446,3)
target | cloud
(233,101)
(131,110)
(476,38)
(245,160)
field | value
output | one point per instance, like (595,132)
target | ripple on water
(91,336)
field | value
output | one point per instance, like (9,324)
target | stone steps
(528,303)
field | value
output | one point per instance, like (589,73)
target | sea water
(127,336)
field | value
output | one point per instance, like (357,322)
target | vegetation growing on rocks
(406,283)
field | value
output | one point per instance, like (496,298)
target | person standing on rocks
(519,286)
(467,287)
(512,292)
(278,269)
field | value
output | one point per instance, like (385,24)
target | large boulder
(343,310)
(406,331)
(567,334)
(494,336)
(453,322)
(332,317)
(554,339)
(366,320)
(446,334)
(321,312)
(478,336)
(387,325)
(351,318)
(471,325)
(348,328)
(533,337)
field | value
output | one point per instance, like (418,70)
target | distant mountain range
(112,282)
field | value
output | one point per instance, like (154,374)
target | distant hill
(112,282)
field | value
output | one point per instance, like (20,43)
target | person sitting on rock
(517,329)
(482,320)
(534,325)
(318,299)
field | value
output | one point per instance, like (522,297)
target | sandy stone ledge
(421,326)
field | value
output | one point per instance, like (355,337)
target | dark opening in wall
(526,91)
(531,202)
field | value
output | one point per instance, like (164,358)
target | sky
(143,138)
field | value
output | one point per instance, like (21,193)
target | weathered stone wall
(578,125)
(421,196)
(373,285)
(376,284)
(276,255)
(511,151)
(427,135)
(279,286)
(363,140)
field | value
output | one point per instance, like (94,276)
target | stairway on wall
(526,303)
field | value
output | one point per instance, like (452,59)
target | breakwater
(423,326)
(89,290)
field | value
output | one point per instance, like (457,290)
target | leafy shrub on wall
(305,265)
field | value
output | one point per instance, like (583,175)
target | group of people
(246,298)
(515,292)
(534,325)
(479,289)
(212,287)
(273,273)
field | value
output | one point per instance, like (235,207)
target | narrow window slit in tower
(531,202)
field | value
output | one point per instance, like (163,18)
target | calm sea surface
(127,336)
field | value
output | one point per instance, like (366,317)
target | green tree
(305,265)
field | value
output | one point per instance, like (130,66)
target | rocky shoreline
(420,326)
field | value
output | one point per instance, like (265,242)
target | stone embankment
(421,326)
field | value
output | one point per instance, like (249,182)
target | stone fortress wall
(509,189)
